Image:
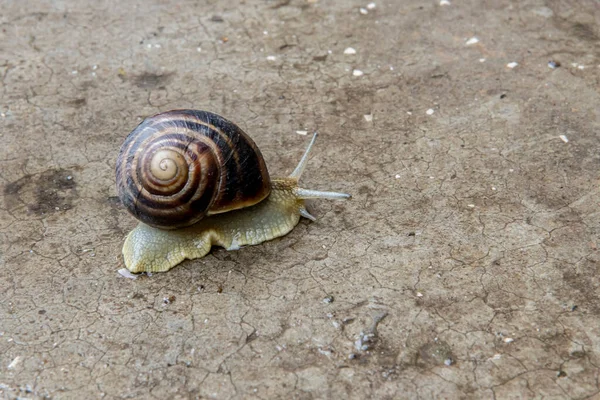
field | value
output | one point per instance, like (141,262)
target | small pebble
(271,58)
(357,72)
(303,133)
(482,60)
(430,111)
(444,3)
(508,340)
(349,50)
(368,117)
(564,138)
(363,11)
(371,6)
(553,64)
(512,64)
(471,41)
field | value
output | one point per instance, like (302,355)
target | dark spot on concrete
(320,58)
(138,296)
(411,233)
(436,352)
(363,190)
(42,312)
(561,374)
(585,32)
(50,191)
(114,201)
(78,102)
(251,337)
(216,18)
(149,80)
(503,96)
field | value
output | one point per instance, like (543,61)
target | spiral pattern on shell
(179,166)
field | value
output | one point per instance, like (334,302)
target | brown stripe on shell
(225,170)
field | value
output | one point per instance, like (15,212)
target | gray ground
(465,266)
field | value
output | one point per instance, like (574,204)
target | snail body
(195,180)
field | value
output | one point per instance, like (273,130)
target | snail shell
(177,167)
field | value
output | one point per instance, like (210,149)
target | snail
(194,179)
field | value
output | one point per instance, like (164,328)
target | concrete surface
(466,266)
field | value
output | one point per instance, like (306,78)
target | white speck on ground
(430,111)
(397,176)
(482,60)
(363,11)
(361,344)
(371,6)
(508,340)
(444,3)
(271,58)
(303,133)
(471,205)
(13,364)
(471,41)
(357,72)
(368,117)
(564,138)
(350,50)
(511,65)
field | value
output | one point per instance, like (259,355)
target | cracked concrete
(466,266)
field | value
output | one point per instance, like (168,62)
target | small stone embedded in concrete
(349,51)
(512,65)
(553,64)
(271,58)
(303,133)
(471,41)
(328,299)
(444,3)
(508,340)
(430,111)
(13,364)
(564,138)
(357,72)
(371,6)
(368,117)
(363,11)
